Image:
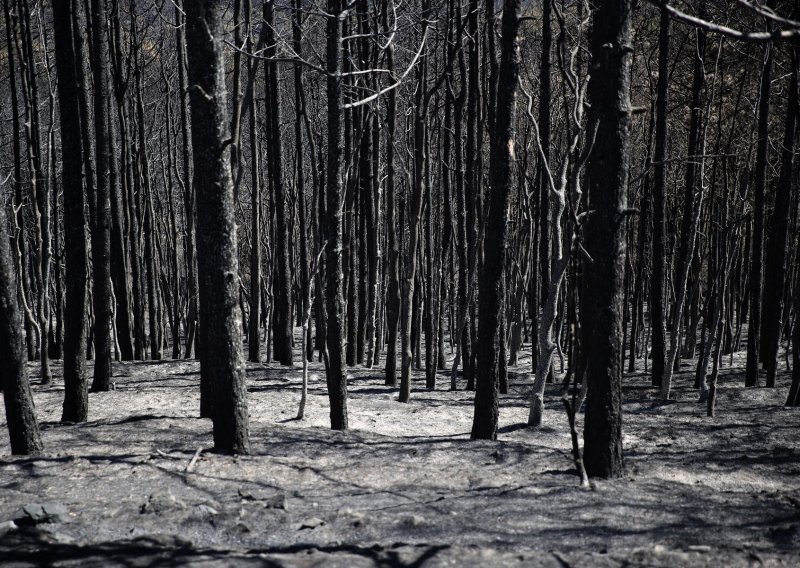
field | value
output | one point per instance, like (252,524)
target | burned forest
(400,283)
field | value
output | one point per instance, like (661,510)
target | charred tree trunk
(76,401)
(392,228)
(692,206)
(334,291)
(101,232)
(484,425)
(601,301)
(657,285)
(218,268)
(775,265)
(757,246)
(20,414)
(282,281)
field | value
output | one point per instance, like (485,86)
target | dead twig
(194,459)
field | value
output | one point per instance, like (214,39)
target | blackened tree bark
(393,264)
(101,232)
(471,194)
(20,416)
(253,332)
(604,237)
(188,190)
(146,210)
(794,391)
(484,425)
(545,247)
(76,400)
(775,265)
(302,207)
(334,286)
(692,206)
(757,245)
(38,183)
(282,280)
(418,189)
(218,268)
(657,285)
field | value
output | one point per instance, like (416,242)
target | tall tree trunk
(101,232)
(392,228)
(418,190)
(775,265)
(282,281)
(692,207)
(472,191)
(484,424)
(76,401)
(39,187)
(604,237)
(218,269)
(253,333)
(188,192)
(757,246)
(334,290)
(545,245)
(658,282)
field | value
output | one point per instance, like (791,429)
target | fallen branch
(193,460)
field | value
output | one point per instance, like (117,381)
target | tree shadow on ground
(35,547)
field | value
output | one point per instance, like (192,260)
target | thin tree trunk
(334,292)
(757,247)
(657,284)
(101,232)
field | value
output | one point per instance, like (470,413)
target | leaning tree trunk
(20,414)
(220,334)
(604,238)
(76,401)
(484,425)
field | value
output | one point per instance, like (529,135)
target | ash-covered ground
(405,486)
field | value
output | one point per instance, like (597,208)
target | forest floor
(405,486)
